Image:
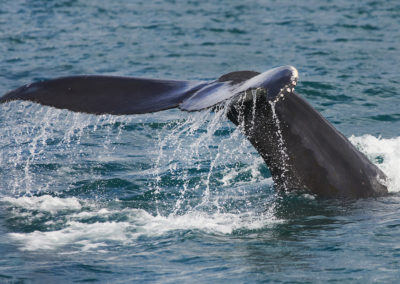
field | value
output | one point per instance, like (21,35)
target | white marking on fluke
(210,96)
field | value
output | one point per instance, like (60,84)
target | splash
(113,227)
(217,185)
(50,150)
(204,147)
(42,146)
(201,170)
(385,153)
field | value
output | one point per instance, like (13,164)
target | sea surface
(176,197)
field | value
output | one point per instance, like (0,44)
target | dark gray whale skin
(301,148)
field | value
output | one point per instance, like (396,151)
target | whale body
(301,148)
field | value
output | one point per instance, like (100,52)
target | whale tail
(297,143)
(130,95)
(105,94)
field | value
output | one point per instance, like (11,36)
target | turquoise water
(183,197)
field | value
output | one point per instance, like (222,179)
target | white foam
(86,236)
(44,203)
(386,155)
(222,223)
(83,236)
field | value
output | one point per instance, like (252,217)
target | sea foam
(385,153)
(79,234)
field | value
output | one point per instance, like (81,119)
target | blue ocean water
(183,197)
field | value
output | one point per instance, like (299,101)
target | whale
(301,148)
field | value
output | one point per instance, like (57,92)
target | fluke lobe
(301,148)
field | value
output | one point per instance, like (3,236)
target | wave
(96,226)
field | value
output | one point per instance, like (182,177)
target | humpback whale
(301,148)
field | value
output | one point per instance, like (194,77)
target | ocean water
(175,197)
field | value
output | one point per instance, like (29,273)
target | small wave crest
(96,228)
(45,203)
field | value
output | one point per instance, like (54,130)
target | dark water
(176,197)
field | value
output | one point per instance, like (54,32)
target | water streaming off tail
(157,172)
(281,145)
(45,149)
(89,181)
(209,159)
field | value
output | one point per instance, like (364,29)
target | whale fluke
(301,148)
(130,95)
(105,94)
